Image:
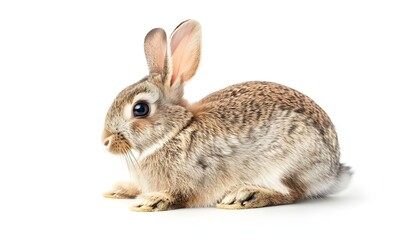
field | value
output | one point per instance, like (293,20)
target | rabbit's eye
(140,109)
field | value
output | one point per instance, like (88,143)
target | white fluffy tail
(343,179)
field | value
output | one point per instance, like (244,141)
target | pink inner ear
(185,48)
(178,42)
(176,39)
(173,78)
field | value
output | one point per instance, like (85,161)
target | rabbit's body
(249,145)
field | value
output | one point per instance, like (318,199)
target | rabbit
(250,145)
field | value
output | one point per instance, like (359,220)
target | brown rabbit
(249,145)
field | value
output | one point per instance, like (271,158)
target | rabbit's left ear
(185,51)
(155,46)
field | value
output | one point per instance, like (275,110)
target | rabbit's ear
(155,46)
(185,51)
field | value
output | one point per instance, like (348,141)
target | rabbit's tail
(343,179)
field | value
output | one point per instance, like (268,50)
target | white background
(62,63)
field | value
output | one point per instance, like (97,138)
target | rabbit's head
(148,113)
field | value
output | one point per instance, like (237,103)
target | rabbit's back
(248,105)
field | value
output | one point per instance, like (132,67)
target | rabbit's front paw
(122,190)
(154,202)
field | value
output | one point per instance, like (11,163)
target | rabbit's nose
(107,141)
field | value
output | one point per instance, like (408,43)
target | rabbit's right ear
(185,51)
(155,46)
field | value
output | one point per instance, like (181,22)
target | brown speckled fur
(249,145)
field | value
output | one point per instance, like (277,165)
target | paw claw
(142,208)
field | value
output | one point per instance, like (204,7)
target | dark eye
(140,109)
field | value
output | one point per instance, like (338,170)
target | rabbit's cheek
(141,125)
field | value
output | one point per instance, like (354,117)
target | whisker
(129,163)
(133,157)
